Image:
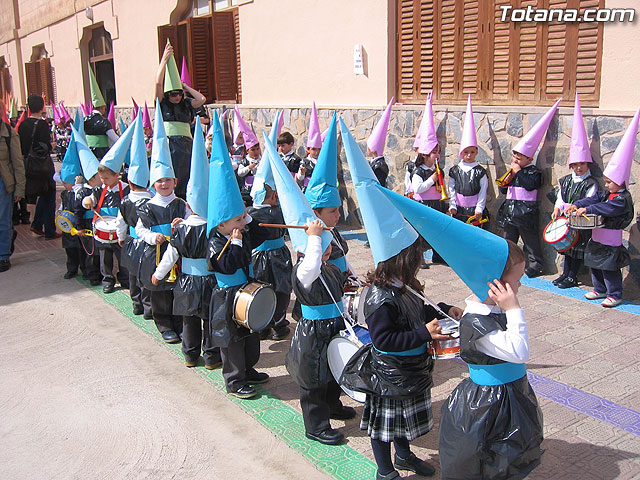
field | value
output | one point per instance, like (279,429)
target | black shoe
(347,413)
(95,282)
(366,244)
(246,391)
(388,476)
(414,464)
(568,283)
(328,436)
(559,280)
(280,334)
(108,288)
(170,337)
(532,272)
(264,334)
(138,310)
(257,378)
(5,265)
(124,286)
(424,266)
(69,275)
(148,316)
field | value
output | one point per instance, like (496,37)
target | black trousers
(196,335)
(607,281)
(92,261)
(107,253)
(279,321)
(238,360)
(162,308)
(532,245)
(317,404)
(76,258)
(140,296)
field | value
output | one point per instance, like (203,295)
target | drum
(341,348)
(560,235)
(105,229)
(253,305)
(353,303)
(588,221)
(66,221)
(443,349)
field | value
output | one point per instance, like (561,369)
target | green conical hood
(96,95)
(172,76)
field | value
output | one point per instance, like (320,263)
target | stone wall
(496,130)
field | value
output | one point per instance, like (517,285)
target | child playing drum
(578,185)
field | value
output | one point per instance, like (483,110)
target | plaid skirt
(385,418)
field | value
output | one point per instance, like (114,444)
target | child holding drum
(575,186)
(605,254)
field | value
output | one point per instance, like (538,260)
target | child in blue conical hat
(155,219)
(271,259)
(395,370)
(132,246)
(229,257)
(105,200)
(195,284)
(318,286)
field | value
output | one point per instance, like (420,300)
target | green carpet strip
(341,462)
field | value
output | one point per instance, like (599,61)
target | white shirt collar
(474,306)
(115,188)
(579,178)
(162,201)
(467,166)
(133,196)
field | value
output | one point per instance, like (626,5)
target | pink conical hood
(146,118)
(416,142)
(280,122)
(56,115)
(111,116)
(239,124)
(65,113)
(618,169)
(378,138)
(528,145)
(579,151)
(315,138)
(184,73)
(135,110)
(469,132)
(428,138)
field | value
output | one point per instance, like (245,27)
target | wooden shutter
(427,47)
(33,78)
(408,32)
(446,50)
(499,54)
(225,57)
(169,32)
(588,60)
(5,82)
(46,80)
(200,58)
(236,26)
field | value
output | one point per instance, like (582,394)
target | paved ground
(90,391)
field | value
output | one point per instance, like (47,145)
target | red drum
(560,235)
(105,229)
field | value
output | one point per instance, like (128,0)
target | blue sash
(164,228)
(407,353)
(132,232)
(234,280)
(270,245)
(498,374)
(110,211)
(88,215)
(195,266)
(321,312)
(340,262)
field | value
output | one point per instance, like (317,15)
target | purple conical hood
(428,138)
(146,118)
(579,150)
(378,138)
(184,73)
(528,145)
(111,116)
(469,132)
(618,169)
(315,137)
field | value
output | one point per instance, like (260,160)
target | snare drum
(560,235)
(341,348)
(253,305)
(353,303)
(443,349)
(104,229)
(589,223)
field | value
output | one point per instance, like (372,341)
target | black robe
(571,192)
(132,248)
(179,146)
(521,213)
(69,202)
(96,124)
(467,184)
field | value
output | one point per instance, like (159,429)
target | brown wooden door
(199,57)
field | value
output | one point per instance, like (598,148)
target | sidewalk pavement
(116,400)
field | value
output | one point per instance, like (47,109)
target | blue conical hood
(198,185)
(78,122)
(322,190)
(71,162)
(295,207)
(161,165)
(477,256)
(114,158)
(127,158)
(88,160)
(264,175)
(388,232)
(139,167)
(225,201)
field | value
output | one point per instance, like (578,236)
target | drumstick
(224,248)
(585,216)
(278,225)
(99,216)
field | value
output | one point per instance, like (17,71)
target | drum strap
(349,322)
(428,301)
(102,195)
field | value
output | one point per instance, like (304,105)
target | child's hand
(160,239)
(435,330)
(570,208)
(503,295)
(237,234)
(455,312)
(89,203)
(302,171)
(434,177)
(515,166)
(79,180)
(315,228)
(168,51)
(120,242)
(176,221)
(154,280)
(252,166)
(555,213)
(453,211)
(581,211)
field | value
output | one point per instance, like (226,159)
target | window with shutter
(408,33)
(446,50)
(33,78)
(46,80)
(169,32)
(5,82)
(199,59)
(236,26)
(225,57)
(588,59)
